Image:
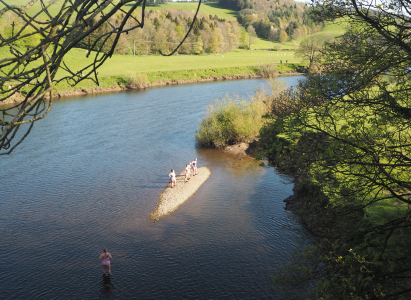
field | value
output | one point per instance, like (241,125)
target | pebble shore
(172,198)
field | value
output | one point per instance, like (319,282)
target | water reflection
(237,164)
(107,288)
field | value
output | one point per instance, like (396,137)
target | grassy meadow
(208,8)
(123,64)
(53,9)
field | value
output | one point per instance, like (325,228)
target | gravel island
(172,198)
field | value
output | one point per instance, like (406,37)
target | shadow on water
(234,163)
(107,288)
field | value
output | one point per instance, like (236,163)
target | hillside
(275,20)
(207,8)
(270,18)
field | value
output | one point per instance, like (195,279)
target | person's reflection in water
(107,288)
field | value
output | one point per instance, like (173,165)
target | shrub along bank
(359,247)
(231,120)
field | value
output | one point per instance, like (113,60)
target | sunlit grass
(53,10)
(123,64)
(205,8)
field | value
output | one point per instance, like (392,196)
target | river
(88,176)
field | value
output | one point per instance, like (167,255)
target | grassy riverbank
(140,80)
(176,69)
(160,78)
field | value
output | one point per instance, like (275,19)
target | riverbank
(171,198)
(111,84)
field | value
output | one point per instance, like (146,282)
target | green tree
(214,42)
(160,41)
(283,36)
(310,49)
(179,30)
(252,36)
(198,46)
(346,135)
(196,28)
(243,38)
(156,23)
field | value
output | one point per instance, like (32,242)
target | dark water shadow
(233,163)
(107,288)
(149,186)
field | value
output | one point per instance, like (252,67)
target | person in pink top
(105,258)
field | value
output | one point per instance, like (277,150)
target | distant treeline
(274,18)
(165,29)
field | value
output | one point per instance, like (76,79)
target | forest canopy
(269,18)
(164,30)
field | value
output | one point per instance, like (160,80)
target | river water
(88,176)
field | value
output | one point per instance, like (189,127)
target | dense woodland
(165,29)
(275,20)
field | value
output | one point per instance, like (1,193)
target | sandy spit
(172,198)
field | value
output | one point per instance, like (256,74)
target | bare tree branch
(40,35)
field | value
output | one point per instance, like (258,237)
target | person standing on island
(172,176)
(187,173)
(194,163)
(190,166)
(105,258)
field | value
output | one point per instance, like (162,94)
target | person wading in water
(105,258)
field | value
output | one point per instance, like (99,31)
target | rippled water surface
(88,176)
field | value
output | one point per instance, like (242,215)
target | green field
(123,64)
(53,10)
(205,8)
(336,28)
